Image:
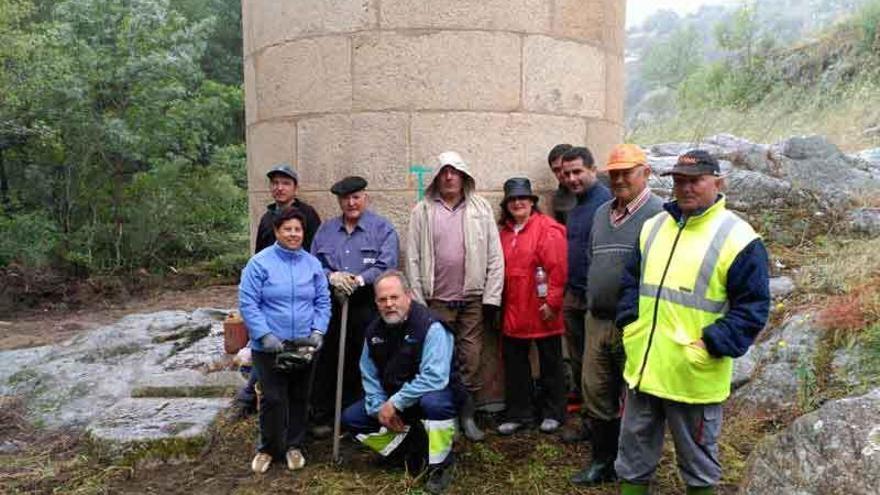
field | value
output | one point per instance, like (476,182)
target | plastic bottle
(541,282)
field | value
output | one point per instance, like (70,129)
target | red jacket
(541,242)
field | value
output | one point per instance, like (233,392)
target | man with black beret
(354,248)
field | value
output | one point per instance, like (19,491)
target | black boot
(601,469)
(415,450)
(439,479)
(575,434)
(468,425)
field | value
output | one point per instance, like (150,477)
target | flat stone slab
(172,353)
(150,419)
(188,383)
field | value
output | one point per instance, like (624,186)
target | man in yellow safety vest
(693,297)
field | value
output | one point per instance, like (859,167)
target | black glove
(316,339)
(271,343)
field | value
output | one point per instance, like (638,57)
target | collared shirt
(449,251)
(370,249)
(619,216)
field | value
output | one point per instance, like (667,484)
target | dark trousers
(247,395)
(283,407)
(574,311)
(431,421)
(361,311)
(602,380)
(519,387)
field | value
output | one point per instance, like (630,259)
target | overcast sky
(638,10)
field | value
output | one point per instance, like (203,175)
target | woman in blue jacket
(283,296)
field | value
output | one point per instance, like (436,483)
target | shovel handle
(340,366)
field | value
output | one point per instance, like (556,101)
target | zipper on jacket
(681,225)
(292,301)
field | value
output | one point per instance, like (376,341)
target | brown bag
(235,334)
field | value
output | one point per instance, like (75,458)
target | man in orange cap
(613,238)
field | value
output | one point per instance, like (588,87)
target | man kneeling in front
(410,391)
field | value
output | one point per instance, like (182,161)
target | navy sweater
(578,227)
(748,296)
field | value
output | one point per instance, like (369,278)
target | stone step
(188,383)
(152,419)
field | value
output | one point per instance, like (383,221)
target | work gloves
(344,284)
(271,343)
(316,339)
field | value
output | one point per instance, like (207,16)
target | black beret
(349,185)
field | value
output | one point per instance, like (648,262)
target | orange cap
(625,156)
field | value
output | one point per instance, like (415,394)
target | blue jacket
(578,227)
(748,295)
(283,292)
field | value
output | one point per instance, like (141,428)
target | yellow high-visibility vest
(682,290)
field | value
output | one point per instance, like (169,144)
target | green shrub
(27,238)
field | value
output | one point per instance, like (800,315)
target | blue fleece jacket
(283,292)
(748,297)
(578,227)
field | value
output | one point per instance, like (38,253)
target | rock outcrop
(795,172)
(835,449)
(147,377)
(769,377)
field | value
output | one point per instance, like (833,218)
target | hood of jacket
(455,161)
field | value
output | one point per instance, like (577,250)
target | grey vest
(610,247)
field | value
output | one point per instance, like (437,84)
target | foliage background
(763,70)
(121,134)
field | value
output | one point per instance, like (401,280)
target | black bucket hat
(518,187)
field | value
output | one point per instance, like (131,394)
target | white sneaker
(295,459)
(549,425)
(261,462)
(509,428)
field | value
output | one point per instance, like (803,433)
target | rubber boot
(604,443)
(468,425)
(415,451)
(633,489)
(576,435)
(700,490)
(439,479)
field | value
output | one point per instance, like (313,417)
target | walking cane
(340,366)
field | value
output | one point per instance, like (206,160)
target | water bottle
(541,282)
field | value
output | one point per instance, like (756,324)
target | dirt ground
(40,461)
(48,326)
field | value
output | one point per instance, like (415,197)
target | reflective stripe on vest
(696,299)
(682,290)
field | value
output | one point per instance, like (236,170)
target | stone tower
(379,87)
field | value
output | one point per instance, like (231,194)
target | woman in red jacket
(535,269)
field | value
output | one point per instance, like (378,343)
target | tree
(669,62)
(118,88)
